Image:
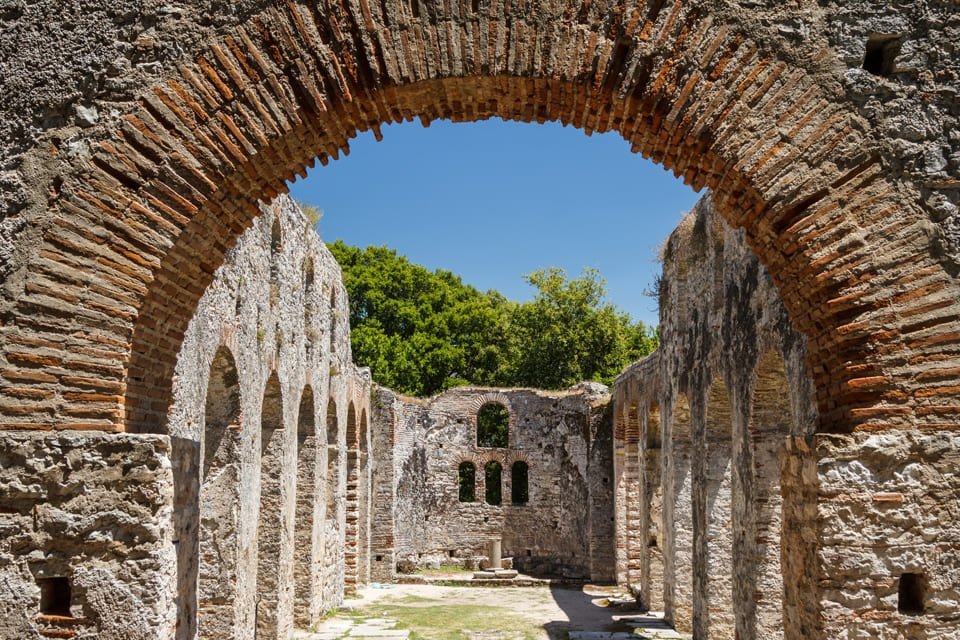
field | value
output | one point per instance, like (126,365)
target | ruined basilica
(187,449)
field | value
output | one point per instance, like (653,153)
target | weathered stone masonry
(563,437)
(271,510)
(137,141)
(86,536)
(132,168)
(248,511)
(733,512)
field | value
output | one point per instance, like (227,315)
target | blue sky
(494,200)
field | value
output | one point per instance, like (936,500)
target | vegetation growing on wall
(422,331)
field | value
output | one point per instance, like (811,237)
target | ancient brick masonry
(264,427)
(137,141)
(254,509)
(561,526)
(733,513)
(130,179)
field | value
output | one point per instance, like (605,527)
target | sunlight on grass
(454,622)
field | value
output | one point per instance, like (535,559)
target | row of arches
(303,532)
(701,504)
(493,482)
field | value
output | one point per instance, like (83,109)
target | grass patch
(455,622)
(444,568)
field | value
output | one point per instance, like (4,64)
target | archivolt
(138,237)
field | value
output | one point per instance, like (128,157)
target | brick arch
(137,237)
(491,397)
(518,456)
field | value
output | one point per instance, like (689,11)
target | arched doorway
(252,107)
(308,527)
(219,507)
(270,525)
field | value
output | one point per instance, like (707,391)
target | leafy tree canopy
(422,331)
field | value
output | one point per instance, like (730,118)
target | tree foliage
(424,331)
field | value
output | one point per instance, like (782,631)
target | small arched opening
(519,483)
(214,564)
(493,425)
(493,477)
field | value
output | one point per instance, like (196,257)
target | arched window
(493,425)
(519,488)
(467,482)
(492,473)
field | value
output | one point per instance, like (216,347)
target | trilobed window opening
(467,482)
(519,482)
(493,425)
(269,522)
(493,478)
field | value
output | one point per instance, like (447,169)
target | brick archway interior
(138,237)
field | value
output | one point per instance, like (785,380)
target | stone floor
(513,613)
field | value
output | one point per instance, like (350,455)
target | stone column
(494,553)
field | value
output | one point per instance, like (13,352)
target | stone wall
(138,138)
(264,427)
(733,512)
(248,516)
(564,529)
(86,539)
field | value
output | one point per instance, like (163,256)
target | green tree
(424,331)
(568,333)
(419,331)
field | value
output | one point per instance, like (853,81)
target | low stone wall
(563,437)
(86,536)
